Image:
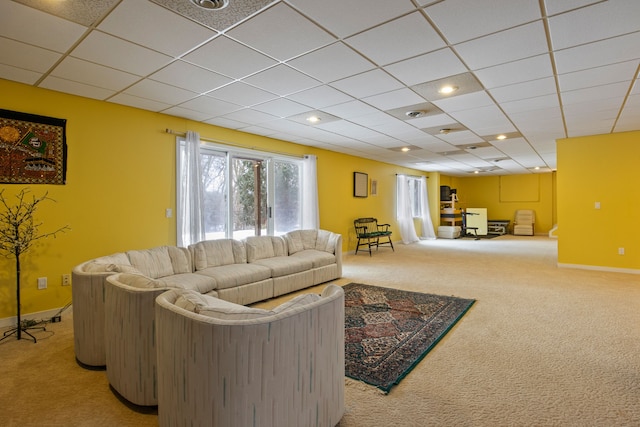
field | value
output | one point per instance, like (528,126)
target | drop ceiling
(532,70)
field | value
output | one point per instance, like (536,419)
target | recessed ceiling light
(445,90)
(501,137)
(445,131)
(405,149)
(537,168)
(313,119)
(211,4)
(476,171)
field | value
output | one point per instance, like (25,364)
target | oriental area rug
(388,331)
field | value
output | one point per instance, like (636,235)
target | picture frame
(374,187)
(34,147)
(360,184)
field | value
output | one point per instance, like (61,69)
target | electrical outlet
(42,283)
(66,279)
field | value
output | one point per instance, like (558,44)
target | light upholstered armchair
(524,223)
(130,340)
(222,364)
(89,280)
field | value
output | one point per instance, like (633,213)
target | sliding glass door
(250,195)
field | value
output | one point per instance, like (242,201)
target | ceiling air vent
(211,4)
(414,114)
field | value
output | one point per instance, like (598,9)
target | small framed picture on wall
(374,187)
(360,184)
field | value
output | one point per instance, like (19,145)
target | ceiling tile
(597,54)
(282,80)
(624,71)
(210,106)
(344,18)
(250,116)
(19,75)
(83,12)
(425,68)
(554,6)
(530,104)
(137,102)
(530,89)
(75,88)
(367,84)
(524,70)
(160,92)
(517,43)
(461,20)
(595,94)
(321,63)
(350,109)
(229,57)
(482,118)
(25,56)
(281,107)
(320,97)
(396,40)
(242,94)
(137,21)
(280,44)
(465,101)
(50,32)
(93,74)
(187,113)
(567,29)
(116,53)
(394,99)
(190,77)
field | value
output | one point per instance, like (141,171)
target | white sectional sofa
(242,272)
(221,364)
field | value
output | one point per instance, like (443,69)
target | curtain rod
(413,176)
(219,141)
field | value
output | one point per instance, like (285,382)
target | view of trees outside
(215,200)
(287,205)
(249,196)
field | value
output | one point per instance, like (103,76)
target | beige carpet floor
(542,346)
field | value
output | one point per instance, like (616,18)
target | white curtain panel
(427,225)
(310,213)
(189,192)
(405,218)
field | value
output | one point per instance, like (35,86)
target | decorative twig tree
(18,233)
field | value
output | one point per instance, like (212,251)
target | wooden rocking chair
(369,233)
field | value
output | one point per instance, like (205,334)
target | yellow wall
(599,168)
(121,178)
(503,195)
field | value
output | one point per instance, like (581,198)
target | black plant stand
(22,329)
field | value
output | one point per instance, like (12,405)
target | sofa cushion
(139,281)
(213,253)
(299,240)
(285,265)
(196,282)
(161,261)
(317,258)
(326,241)
(299,301)
(214,307)
(261,247)
(228,276)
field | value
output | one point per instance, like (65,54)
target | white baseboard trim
(40,315)
(599,268)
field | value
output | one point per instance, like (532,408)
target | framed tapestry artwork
(360,184)
(34,149)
